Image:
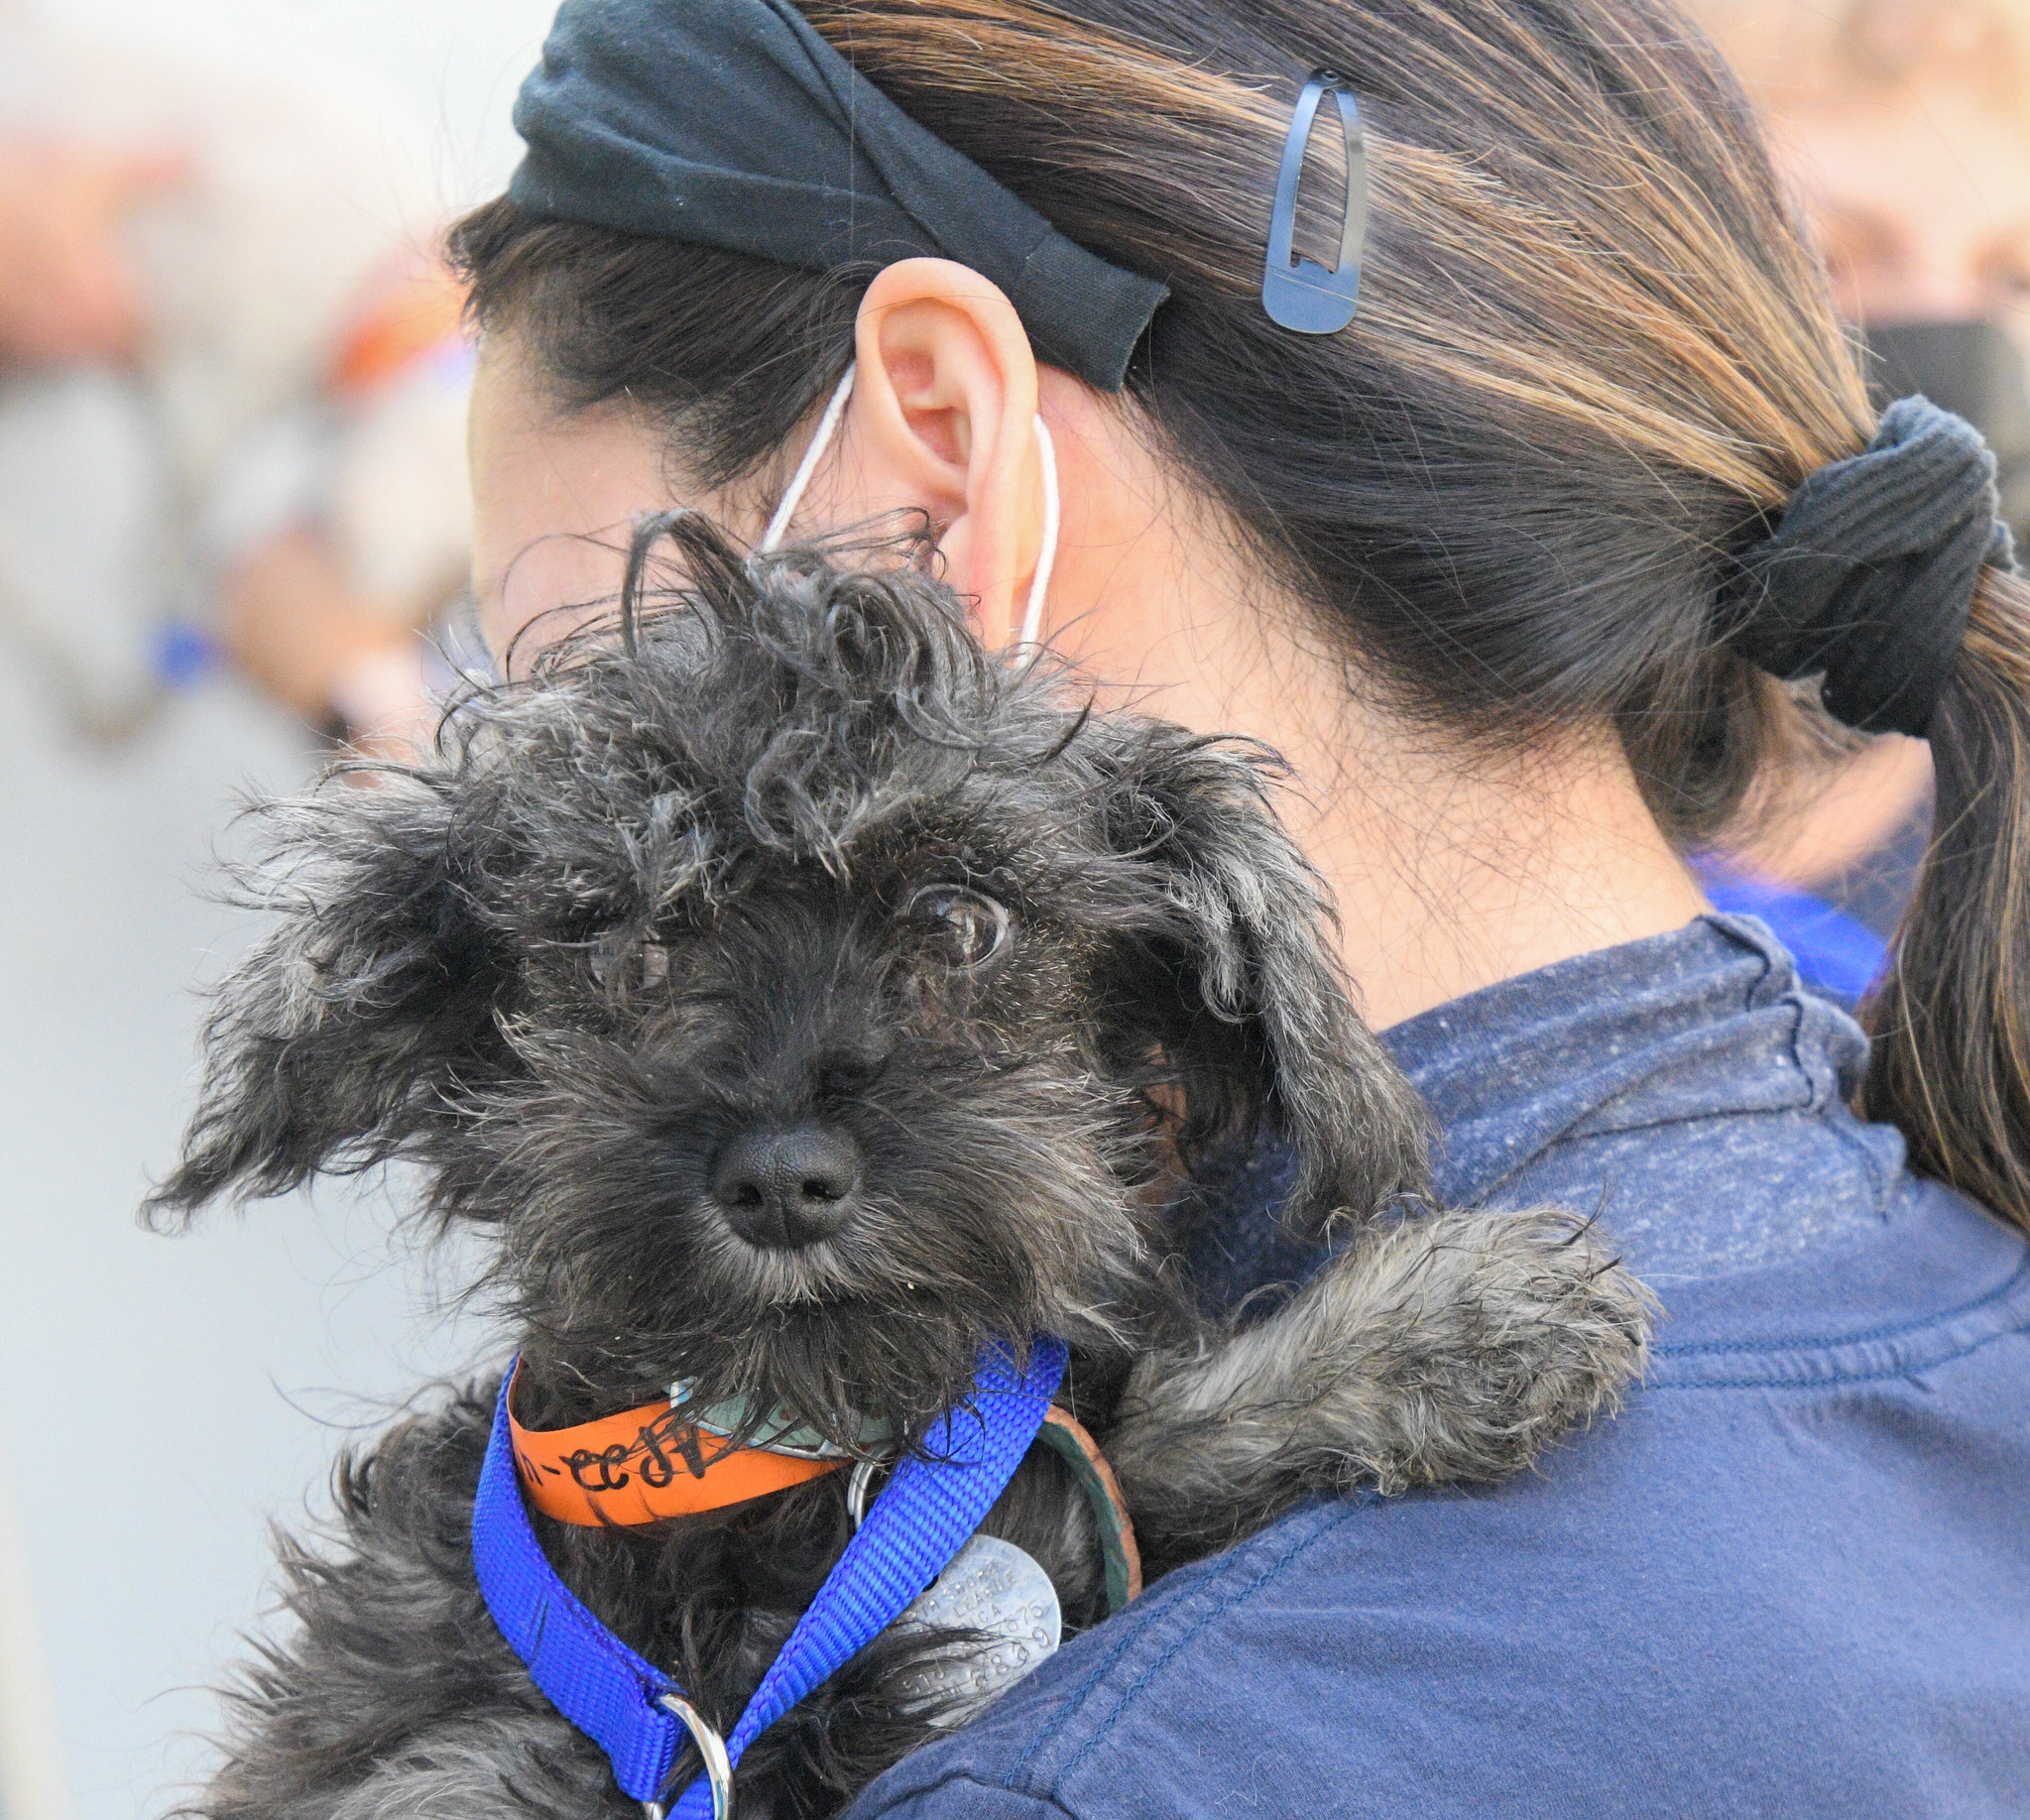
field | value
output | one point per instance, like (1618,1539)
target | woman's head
(1591,354)
(1594,357)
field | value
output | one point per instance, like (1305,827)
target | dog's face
(805,998)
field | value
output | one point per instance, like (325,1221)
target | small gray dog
(802,998)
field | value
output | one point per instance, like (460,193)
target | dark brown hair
(1595,356)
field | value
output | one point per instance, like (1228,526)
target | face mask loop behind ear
(1053,510)
(799,482)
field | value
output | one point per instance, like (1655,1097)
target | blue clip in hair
(1300,293)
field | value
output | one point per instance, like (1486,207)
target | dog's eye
(976,928)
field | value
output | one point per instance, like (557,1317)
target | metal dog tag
(991,1586)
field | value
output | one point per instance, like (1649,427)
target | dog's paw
(1458,1347)
(1451,1348)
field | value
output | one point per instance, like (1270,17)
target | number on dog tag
(991,1586)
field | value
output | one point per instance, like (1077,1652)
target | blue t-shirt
(1792,1578)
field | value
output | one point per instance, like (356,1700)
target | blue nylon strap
(923,1517)
(931,1505)
(588,1674)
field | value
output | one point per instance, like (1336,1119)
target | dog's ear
(1246,998)
(347,1031)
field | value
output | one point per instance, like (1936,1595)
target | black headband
(731,123)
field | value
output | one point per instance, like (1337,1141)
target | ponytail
(1951,1023)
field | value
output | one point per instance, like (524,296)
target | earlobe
(943,420)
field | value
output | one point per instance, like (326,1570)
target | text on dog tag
(991,1586)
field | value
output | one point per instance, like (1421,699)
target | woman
(1508,565)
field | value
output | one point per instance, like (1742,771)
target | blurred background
(232,529)
(230,494)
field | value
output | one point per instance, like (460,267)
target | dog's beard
(993,1210)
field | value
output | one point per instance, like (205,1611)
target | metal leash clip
(711,1746)
(858,1485)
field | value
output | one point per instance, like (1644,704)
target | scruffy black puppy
(802,998)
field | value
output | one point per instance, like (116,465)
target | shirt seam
(1908,1369)
(1263,1577)
(1693,1348)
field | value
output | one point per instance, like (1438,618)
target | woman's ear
(943,420)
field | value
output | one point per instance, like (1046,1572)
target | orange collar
(642,1465)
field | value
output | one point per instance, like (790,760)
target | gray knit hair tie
(1869,576)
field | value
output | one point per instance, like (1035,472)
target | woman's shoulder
(1762,1587)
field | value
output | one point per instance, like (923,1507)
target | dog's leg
(1453,1348)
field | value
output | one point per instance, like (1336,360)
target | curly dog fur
(793,854)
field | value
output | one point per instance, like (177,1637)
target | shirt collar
(1687,1089)
(1706,1021)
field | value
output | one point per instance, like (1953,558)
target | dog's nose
(787,1187)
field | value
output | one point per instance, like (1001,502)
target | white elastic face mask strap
(1046,557)
(1046,455)
(828,428)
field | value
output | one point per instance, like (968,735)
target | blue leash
(638,1715)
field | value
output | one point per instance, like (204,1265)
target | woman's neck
(1449,879)
(1451,868)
